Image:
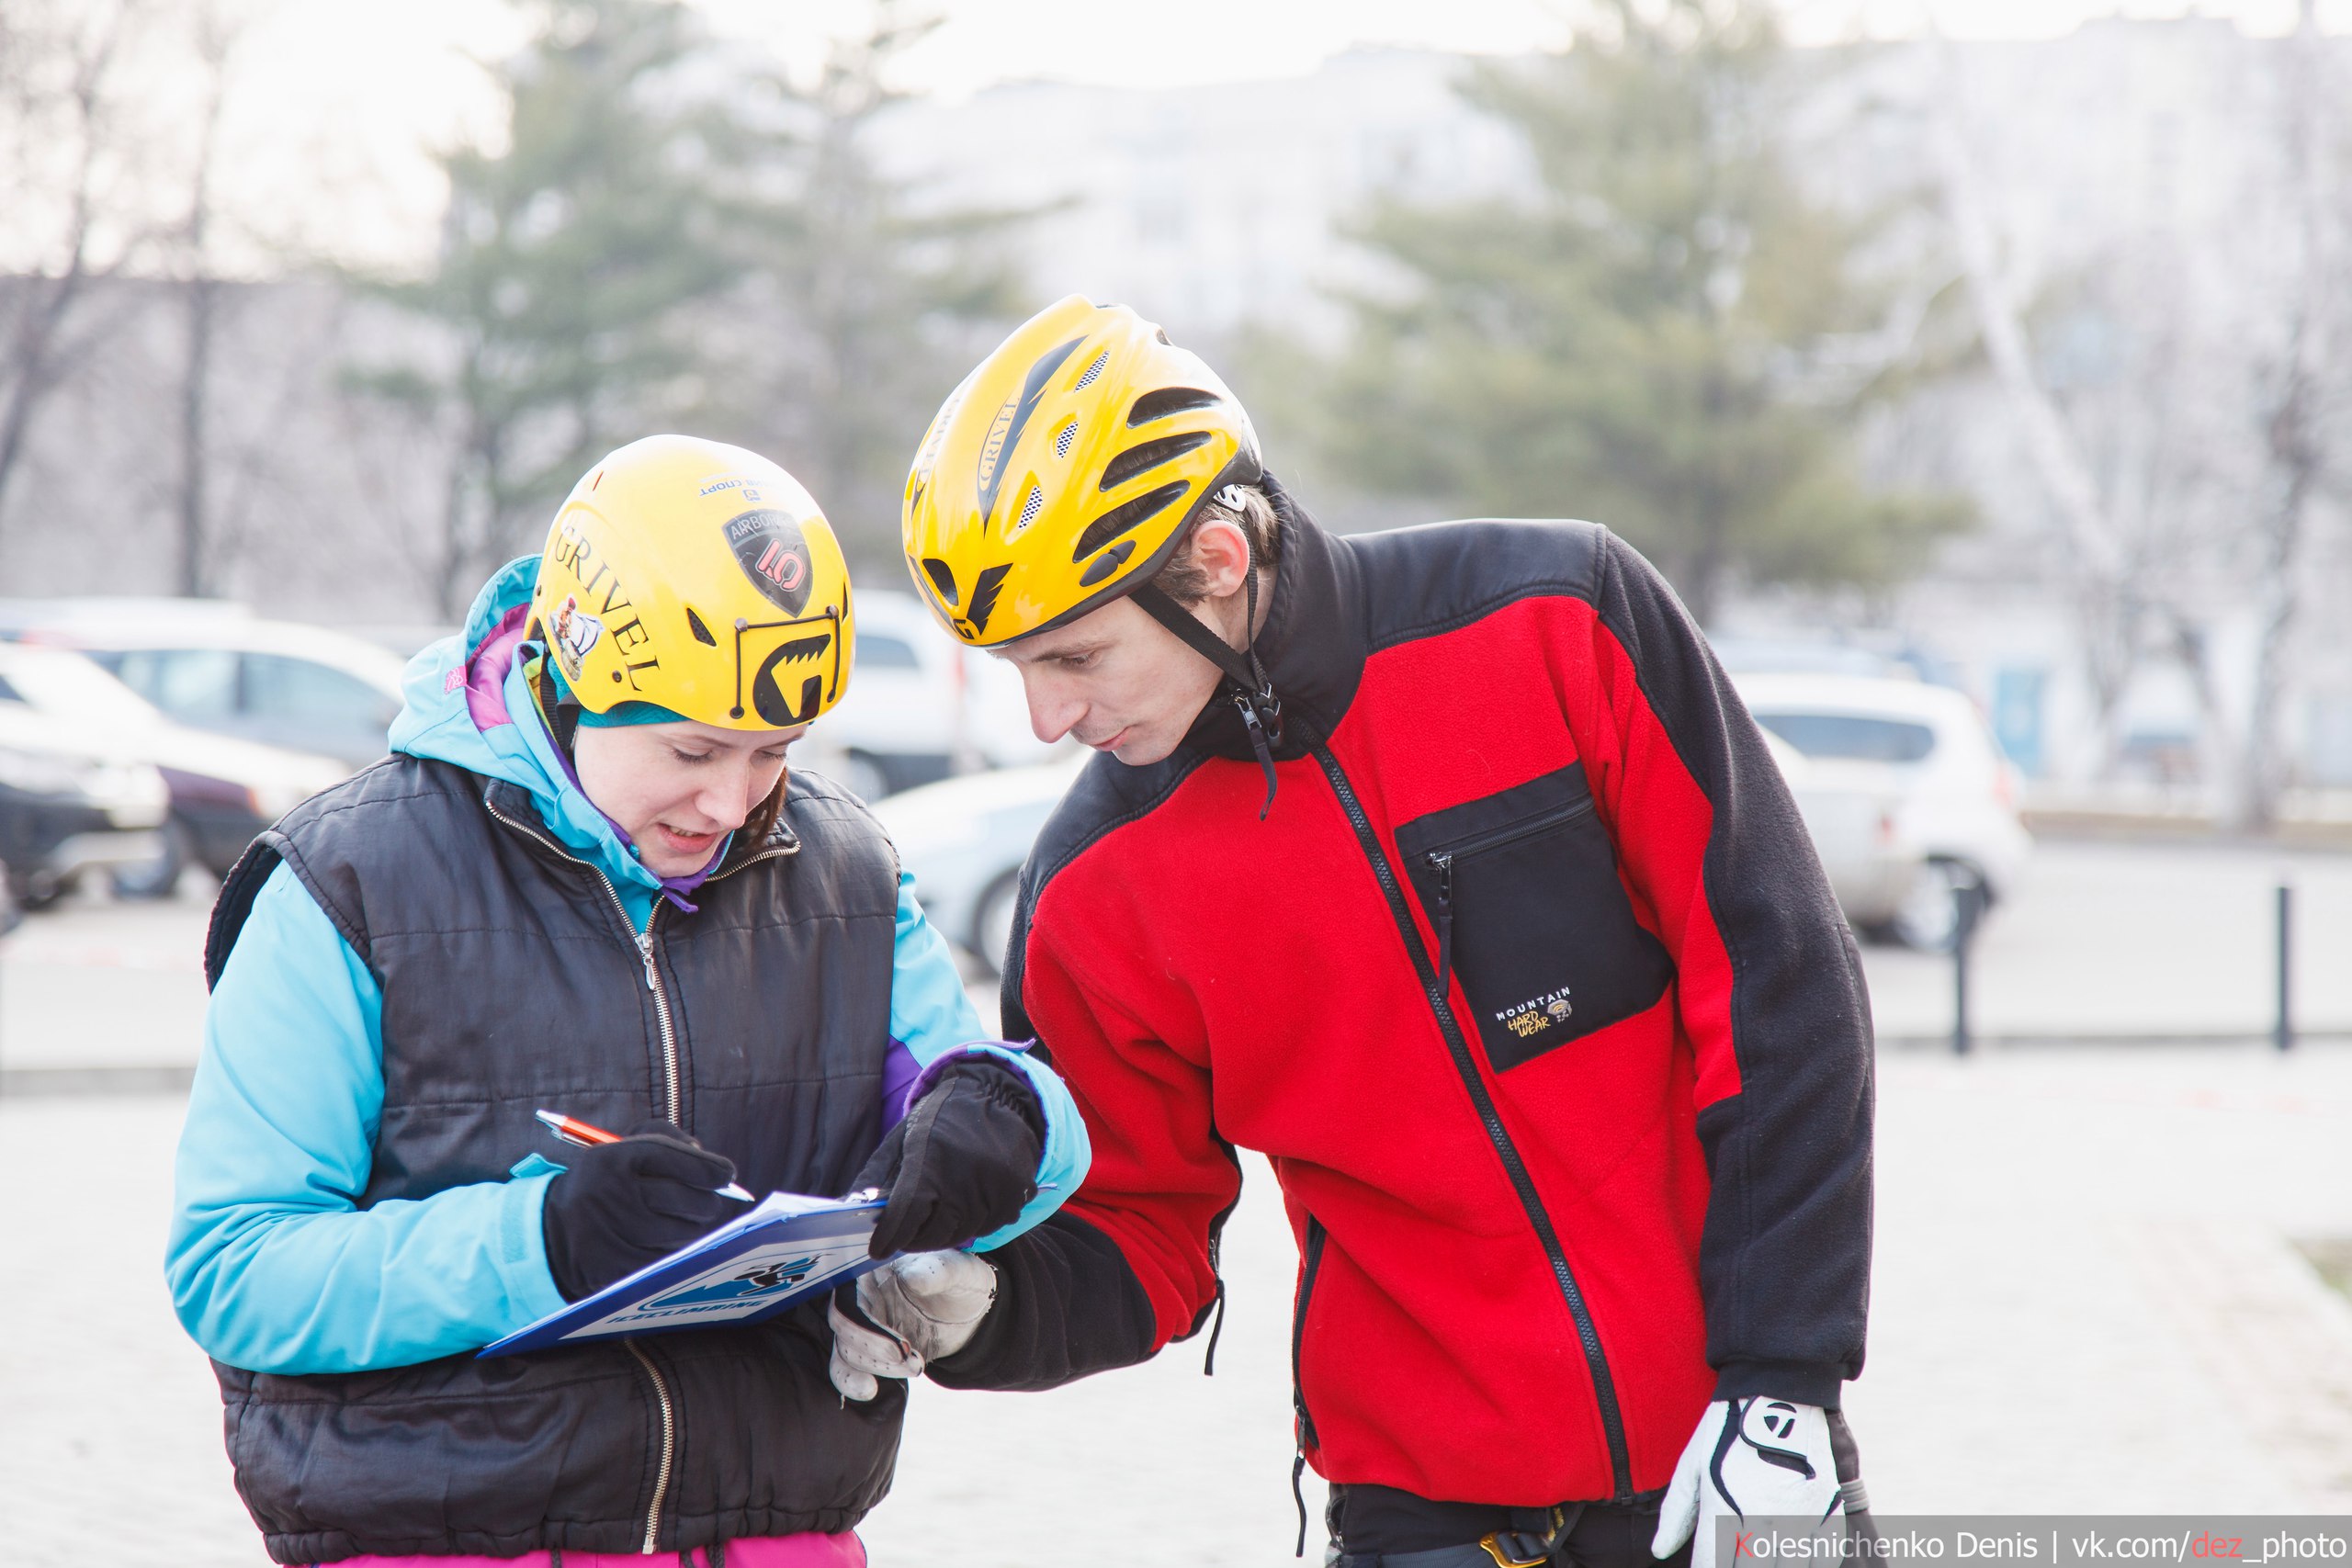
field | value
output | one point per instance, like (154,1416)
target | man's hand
(1749,1458)
(618,1207)
(961,1163)
(910,1311)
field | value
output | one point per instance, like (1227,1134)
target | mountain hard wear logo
(770,549)
(1536,1014)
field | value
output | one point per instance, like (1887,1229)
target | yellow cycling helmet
(1065,470)
(687,578)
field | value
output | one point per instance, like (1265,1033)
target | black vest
(513,980)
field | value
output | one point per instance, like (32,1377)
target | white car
(921,706)
(222,669)
(965,839)
(222,790)
(1926,749)
(1853,824)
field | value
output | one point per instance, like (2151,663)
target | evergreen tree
(1640,341)
(679,236)
(564,259)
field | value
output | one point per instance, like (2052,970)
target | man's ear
(1222,552)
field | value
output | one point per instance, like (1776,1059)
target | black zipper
(644,947)
(1311,1264)
(1442,863)
(1311,1261)
(1437,990)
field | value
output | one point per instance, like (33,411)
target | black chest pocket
(1522,889)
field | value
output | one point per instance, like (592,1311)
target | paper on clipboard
(785,1249)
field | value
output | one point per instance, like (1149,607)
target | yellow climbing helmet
(1065,470)
(687,578)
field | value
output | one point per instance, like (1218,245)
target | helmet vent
(1029,510)
(702,633)
(942,577)
(1148,455)
(1091,371)
(1162,402)
(1065,437)
(1129,514)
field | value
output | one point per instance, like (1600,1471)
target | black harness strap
(1252,693)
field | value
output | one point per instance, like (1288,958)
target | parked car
(1854,826)
(216,668)
(221,790)
(1929,750)
(965,839)
(919,708)
(73,799)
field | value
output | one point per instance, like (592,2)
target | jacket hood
(465,701)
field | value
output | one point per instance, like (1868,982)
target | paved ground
(2085,1296)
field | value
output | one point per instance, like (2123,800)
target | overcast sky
(349,95)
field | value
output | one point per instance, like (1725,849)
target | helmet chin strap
(1251,690)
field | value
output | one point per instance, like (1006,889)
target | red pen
(574,1130)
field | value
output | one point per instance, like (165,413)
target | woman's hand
(962,1163)
(618,1207)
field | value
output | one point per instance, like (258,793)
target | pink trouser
(842,1551)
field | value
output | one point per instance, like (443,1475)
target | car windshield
(60,683)
(1851,737)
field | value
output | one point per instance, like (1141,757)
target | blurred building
(2130,168)
(1209,207)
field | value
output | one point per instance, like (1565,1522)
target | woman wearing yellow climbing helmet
(585,880)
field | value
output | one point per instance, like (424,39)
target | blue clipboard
(786,1249)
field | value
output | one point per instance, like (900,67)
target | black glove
(963,1161)
(621,1206)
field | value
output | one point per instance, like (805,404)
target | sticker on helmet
(984,591)
(575,631)
(773,554)
(714,484)
(1004,430)
(769,698)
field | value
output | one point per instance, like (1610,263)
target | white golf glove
(1750,1458)
(927,1304)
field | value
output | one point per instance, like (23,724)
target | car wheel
(992,921)
(38,890)
(1928,920)
(160,878)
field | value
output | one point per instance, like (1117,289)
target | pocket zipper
(1441,861)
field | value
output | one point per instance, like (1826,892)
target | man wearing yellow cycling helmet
(1444,866)
(585,880)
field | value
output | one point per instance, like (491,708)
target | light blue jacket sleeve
(271,1264)
(930,1017)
